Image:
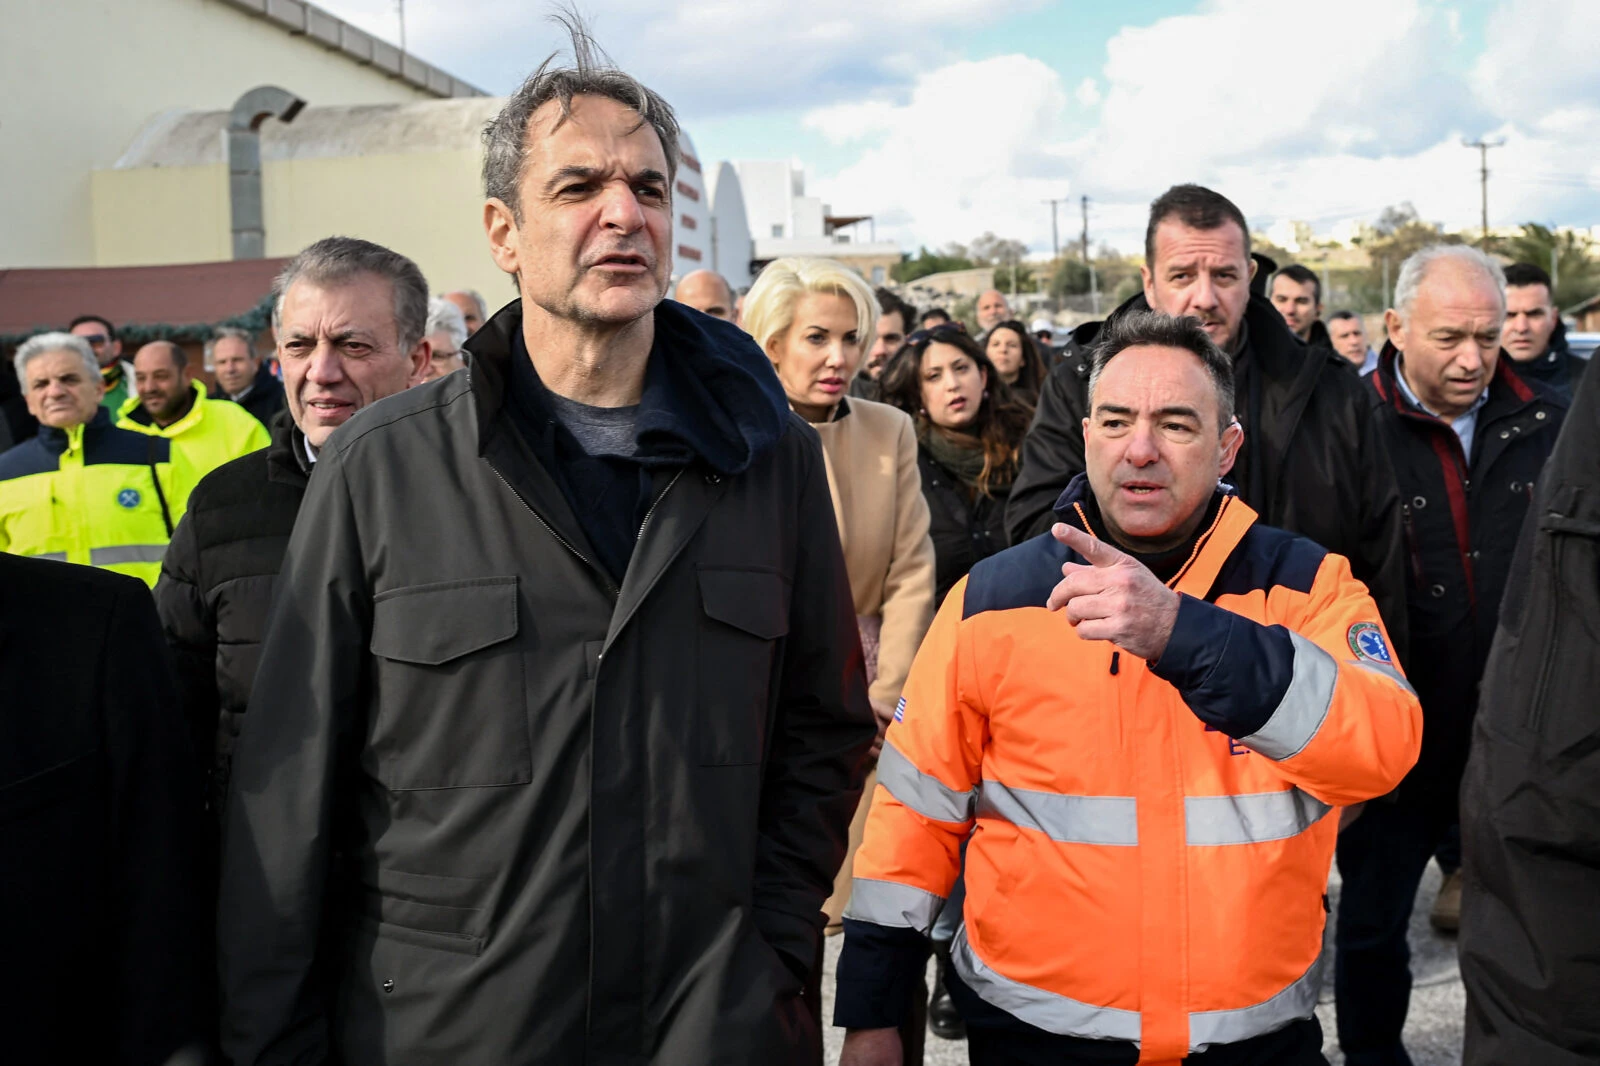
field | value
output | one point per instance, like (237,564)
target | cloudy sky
(946,119)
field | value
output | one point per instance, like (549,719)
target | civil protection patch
(128,498)
(1366,640)
(900,710)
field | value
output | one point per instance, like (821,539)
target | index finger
(1097,551)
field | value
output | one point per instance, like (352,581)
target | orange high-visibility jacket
(1150,844)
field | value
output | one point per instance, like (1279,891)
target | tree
(989,250)
(1397,233)
(1564,256)
(926,262)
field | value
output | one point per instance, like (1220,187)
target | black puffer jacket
(1311,462)
(216,586)
(1462,514)
(490,807)
(964,530)
(265,398)
(1530,801)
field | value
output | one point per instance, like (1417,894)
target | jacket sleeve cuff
(792,937)
(880,970)
(1231,671)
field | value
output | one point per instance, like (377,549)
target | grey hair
(445,317)
(592,73)
(1154,329)
(1415,269)
(226,332)
(44,343)
(338,259)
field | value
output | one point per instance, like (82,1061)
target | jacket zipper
(563,541)
(651,512)
(1547,664)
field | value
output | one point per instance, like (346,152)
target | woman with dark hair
(1015,355)
(970,427)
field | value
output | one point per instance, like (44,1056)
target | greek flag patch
(900,710)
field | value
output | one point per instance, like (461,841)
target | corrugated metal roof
(302,19)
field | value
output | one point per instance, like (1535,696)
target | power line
(1483,147)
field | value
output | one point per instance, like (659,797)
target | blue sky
(946,120)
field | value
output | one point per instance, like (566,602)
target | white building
(731,246)
(784,221)
(691,228)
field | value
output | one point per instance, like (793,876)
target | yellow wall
(425,205)
(82,77)
(157,215)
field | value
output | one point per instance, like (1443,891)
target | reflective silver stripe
(892,904)
(127,553)
(59,557)
(1304,706)
(1048,1010)
(1068,819)
(1251,818)
(923,793)
(1387,671)
(1209,1027)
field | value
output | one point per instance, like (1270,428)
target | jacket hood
(710,391)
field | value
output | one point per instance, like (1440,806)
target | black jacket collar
(286,454)
(55,440)
(710,392)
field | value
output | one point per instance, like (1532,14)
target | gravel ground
(1433,1028)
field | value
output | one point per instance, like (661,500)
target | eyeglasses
(932,334)
(96,340)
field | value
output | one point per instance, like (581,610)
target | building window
(877,275)
(688,222)
(777,229)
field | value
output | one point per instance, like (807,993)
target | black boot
(943,1018)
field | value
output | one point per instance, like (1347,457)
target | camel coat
(871,453)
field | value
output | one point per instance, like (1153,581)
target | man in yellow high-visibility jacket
(84,491)
(171,404)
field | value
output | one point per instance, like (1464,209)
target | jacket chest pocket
(449,704)
(745,613)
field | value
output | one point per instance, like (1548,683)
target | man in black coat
(1469,439)
(242,376)
(562,715)
(1535,338)
(1530,800)
(99,815)
(1310,462)
(219,572)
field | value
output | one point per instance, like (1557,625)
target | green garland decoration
(134,334)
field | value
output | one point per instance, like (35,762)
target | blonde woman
(815,319)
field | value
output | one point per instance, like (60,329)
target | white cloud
(709,57)
(1185,99)
(976,147)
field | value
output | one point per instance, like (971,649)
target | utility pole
(1055,236)
(401,5)
(1094,282)
(1483,147)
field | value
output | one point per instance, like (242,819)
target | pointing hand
(1114,598)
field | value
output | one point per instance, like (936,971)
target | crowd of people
(547,685)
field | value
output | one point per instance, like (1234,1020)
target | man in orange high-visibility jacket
(1145,742)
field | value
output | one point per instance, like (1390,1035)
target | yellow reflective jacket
(212,433)
(92,494)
